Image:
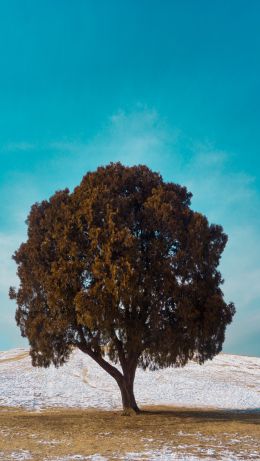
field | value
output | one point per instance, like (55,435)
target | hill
(227,382)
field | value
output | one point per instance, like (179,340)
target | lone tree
(124,270)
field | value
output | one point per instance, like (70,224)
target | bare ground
(58,433)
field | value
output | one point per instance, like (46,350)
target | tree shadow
(206,415)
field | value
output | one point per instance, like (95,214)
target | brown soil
(15,358)
(63,432)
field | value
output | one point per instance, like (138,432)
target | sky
(172,84)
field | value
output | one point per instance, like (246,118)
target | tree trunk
(126,386)
(124,380)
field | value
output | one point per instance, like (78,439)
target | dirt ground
(59,434)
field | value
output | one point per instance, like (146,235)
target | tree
(124,270)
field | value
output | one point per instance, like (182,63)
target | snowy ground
(147,456)
(228,382)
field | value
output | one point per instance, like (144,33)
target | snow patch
(21,455)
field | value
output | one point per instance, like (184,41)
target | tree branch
(84,347)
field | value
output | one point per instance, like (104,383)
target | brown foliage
(121,267)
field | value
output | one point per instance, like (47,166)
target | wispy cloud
(130,137)
(18,146)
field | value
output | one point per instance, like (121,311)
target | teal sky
(172,84)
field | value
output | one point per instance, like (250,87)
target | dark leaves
(123,263)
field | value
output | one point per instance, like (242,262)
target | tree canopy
(126,271)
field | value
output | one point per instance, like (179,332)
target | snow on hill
(228,382)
